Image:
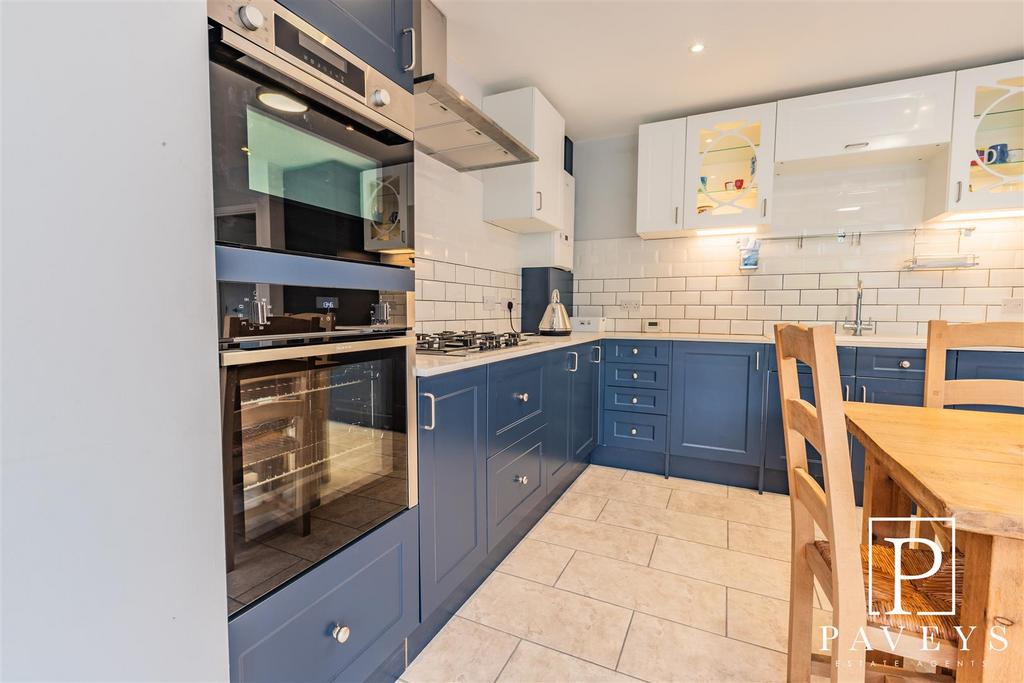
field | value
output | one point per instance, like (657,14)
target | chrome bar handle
(676,221)
(846,392)
(412,64)
(856,145)
(433,412)
(575,361)
(959,190)
(764,207)
(863,393)
(540,200)
(600,354)
(757,360)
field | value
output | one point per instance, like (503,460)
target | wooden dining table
(969,466)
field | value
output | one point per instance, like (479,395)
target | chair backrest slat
(940,392)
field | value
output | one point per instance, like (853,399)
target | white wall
(113,553)
(605,172)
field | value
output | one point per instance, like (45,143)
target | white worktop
(428,365)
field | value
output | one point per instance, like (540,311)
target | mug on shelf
(739,183)
(730,184)
(703,183)
(1015,155)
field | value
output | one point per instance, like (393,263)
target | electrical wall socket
(1013,308)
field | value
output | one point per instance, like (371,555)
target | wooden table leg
(992,599)
(883,498)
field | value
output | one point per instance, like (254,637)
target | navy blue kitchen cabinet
(572,377)
(515,484)
(517,401)
(990,365)
(376,31)
(452,480)
(369,588)
(717,400)
(583,388)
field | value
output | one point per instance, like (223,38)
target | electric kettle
(555,321)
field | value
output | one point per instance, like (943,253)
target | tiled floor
(629,577)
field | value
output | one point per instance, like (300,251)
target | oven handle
(247,356)
(280,65)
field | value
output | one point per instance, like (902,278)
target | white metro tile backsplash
(813,283)
(466,269)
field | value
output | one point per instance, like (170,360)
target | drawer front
(632,430)
(515,400)
(371,587)
(847,360)
(654,401)
(636,375)
(630,351)
(905,363)
(514,482)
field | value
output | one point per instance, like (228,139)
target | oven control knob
(380,98)
(251,17)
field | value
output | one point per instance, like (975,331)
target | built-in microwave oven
(312,148)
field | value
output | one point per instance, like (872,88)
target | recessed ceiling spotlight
(697,47)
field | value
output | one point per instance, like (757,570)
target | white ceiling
(608,65)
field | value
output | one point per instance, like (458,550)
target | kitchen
(462,363)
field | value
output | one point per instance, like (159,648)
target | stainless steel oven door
(302,163)
(319,448)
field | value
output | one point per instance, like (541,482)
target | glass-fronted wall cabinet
(730,158)
(986,167)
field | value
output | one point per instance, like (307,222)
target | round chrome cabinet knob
(341,633)
(904,364)
(632,431)
(380,98)
(251,17)
(636,375)
(522,479)
(524,397)
(634,400)
(636,351)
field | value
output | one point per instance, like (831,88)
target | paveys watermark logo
(898,575)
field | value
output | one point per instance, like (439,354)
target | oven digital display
(296,43)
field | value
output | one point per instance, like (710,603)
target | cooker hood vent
(449,127)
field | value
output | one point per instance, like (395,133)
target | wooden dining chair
(940,392)
(839,562)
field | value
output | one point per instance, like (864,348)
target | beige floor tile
(594,537)
(759,540)
(660,593)
(778,499)
(532,663)
(462,651)
(604,471)
(756,513)
(764,621)
(537,561)
(693,485)
(726,567)
(567,622)
(629,491)
(666,522)
(660,650)
(579,505)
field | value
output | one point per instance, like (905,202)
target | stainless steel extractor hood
(449,127)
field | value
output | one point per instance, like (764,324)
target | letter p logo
(900,551)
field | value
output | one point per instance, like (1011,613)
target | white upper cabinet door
(730,159)
(986,160)
(527,197)
(898,115)
(660,179)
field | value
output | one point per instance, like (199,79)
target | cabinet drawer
(907,363)
(847,360)
(636,375)
(513,484)
(635,351)
(632,430)
(515,400)
(653,401)
(370,587)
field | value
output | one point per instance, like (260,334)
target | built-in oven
(318,449)
(312,148)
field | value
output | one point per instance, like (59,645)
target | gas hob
(467,342)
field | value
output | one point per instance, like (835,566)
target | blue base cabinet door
(452,481)
(583,385)
(376,31)
(716,401)
(990,365)
(557,454)
(368,589)
(898,392)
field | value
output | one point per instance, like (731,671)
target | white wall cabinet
(729,168)
(660,178)
(905,115)
(984,170)
(554,248)
(527,197)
